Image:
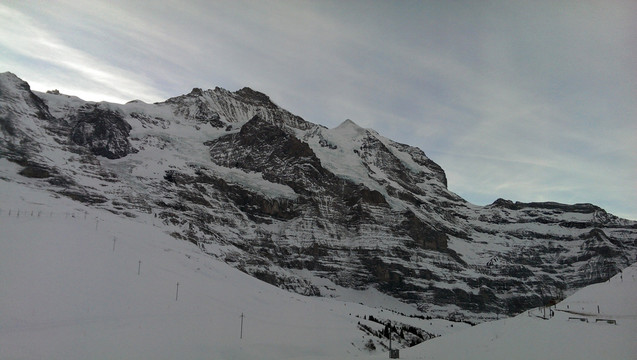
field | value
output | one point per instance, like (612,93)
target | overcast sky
(524,100)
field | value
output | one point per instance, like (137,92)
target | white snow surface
(577,331)
(71,290)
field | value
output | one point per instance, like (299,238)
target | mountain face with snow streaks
(291,202)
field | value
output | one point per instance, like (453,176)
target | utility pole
(139,268)
(241,335)
(177,294)
(114,239)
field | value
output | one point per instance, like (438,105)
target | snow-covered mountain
(313,210)
(82,283)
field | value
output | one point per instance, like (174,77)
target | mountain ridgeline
(300,206)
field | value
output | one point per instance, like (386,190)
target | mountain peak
(11,80)
(10,75)
(350,129)
(350,125)
(196,92)
(255,97)
(20,96)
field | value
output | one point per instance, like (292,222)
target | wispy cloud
(21,35)
(531,101)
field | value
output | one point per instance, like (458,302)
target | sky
(527,101)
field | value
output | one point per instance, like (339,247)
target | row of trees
(405,334)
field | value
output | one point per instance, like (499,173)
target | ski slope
(80,283)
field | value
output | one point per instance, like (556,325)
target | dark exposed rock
(103,131)
(35,171)
(279,156)
(363,194)
(517,304)
(6,125)
(463,299)
(575,224)
(424,235)
(576,208)
(252,202)
(255,97)
(84,196)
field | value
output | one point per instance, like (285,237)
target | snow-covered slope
(331,212)
(597,322)
(80,283)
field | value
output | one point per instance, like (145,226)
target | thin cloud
(21,35)
(526,101)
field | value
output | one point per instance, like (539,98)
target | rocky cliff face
(301,206)
(103,131)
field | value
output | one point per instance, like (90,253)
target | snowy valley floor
(70,289)
(576,331)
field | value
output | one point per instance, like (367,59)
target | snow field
(564,336)
(71,290)
(67,295)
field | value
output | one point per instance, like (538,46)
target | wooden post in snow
(241,334)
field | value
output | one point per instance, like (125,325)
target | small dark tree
(370,345)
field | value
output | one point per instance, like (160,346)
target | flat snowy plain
(79,283)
